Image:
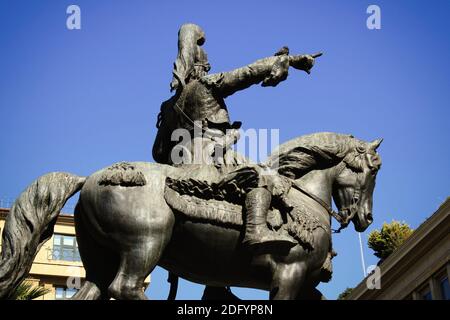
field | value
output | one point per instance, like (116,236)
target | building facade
(57,266)
(419,269)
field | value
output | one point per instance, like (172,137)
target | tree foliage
(27,291)
(344,294)
(385,241)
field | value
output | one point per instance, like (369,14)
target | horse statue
(134,216)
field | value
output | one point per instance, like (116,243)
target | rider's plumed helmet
(190,55)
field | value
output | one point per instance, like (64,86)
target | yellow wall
(51,273)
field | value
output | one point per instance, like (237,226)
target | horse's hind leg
(135,265)
(140,252)
(89,291)
(99,262)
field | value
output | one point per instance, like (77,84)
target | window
(64,293)
(445,288)
(65,248)
(427,296)
(425,293)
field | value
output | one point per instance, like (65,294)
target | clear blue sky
(80,100)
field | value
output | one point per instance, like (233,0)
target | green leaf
(27,291)
(391,236)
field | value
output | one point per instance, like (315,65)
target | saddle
(215,203)
(223,204)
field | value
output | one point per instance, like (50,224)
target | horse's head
(354,185)
(353,164)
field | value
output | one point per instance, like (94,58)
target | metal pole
(362,254)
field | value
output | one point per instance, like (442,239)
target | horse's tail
(30,223)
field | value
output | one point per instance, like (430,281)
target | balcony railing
(58,254)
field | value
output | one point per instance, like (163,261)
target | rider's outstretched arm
(270,71)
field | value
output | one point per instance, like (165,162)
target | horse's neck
(318,183)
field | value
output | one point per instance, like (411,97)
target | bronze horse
(125,227)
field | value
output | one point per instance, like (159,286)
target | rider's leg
(257,204)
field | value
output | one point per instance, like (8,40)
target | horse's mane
(300,155)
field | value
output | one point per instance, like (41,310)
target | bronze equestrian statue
(192,218)
(133,216)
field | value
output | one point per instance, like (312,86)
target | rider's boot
(257,204)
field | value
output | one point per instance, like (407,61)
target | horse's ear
(375,144)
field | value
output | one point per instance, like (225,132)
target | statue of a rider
(198,106)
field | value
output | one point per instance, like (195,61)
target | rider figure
(199,104)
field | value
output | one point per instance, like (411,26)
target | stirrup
(269,238)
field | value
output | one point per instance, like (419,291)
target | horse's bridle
(345,215)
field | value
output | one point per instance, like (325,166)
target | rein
(343,221)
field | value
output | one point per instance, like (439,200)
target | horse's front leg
(287,281)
